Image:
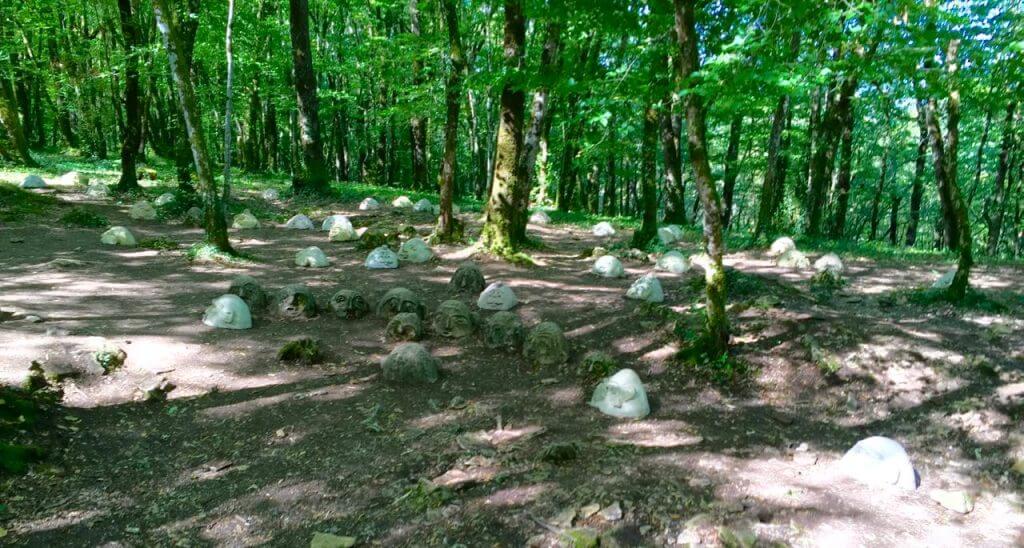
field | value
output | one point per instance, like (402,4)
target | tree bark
(9,119)
(980,158)
(894,217)
(675,198)
(649,187)
(997,205)
(716,342)
(944,153)
(876,200)
(540,119)
(773,183)
(448,227)
(417,124)
(215,220)
(228,91)
(313,176)
(732,155)
(133,114)
(845,178)
(917,190)
(505,218)
(611,199)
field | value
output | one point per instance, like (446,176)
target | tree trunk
(773,184)
(894,218)
(732,155)
(675,199)
(448,227)
(716,342)
(649,186)
(876,200)
(228,91)
(505,219)
(845,179)
(944,153)
(9,119)
(417,124)
(611,199)
(313,176)
(215,221)
(997,205)
(133,113)
(980,158)
(917,190)
(540,120)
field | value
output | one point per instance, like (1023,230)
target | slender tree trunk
(772,185)
(944,153)
(648,176)
(448,227)
(997,204)
(133,113)
(917,190)
(717,322)
(417,124)
(675,200)
(845,179)
(228,91)
(876,200)
(732,155)
(980,158)
(9,119)
(540,119)
(216,223)
(894,218)
(505,218)
(611,199)
(313,177)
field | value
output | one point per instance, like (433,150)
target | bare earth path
(250,451)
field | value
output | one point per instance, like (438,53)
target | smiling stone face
(399,300)
(453,319)
(504,330)
(467,279)
(295,301)
(349,305)
(545,345)
(497,296)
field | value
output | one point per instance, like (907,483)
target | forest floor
(250,451)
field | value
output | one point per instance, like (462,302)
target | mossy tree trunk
(313,176)
(917,187)
(944,151)
(9,119)
(649,186)
(417,124)
(997,207)
(716,336)
(133,109)
(215,220)
(773,183)
(505,222)
(732,171)
(448,227)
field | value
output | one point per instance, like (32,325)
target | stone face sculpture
(295,301)
(250,291)
(646,288)
(271,195)
(944,281)
(381,258)
(545,345)
(608,266)
(467,279)
(164,199)
(497,296)
(674,262)
(228,312)
(74,178)
(781,246)
(540,218)
(245,220)
(414,250)
(410,363)
(369,204)
(193,217)
(454,320)
(622,395)
(603,229)
(349,305)
(423,206)
(405,326)
(830,264)
(666,236)
(142,210)
(118,235)
(300,222)
(330,220)
(880,461)
(311,257)
(399,300)
(793,259)
(97,189)
(504,330)
(402,202)
(33,181)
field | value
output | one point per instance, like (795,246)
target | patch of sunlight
(653,433)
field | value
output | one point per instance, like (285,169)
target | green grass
(21,205)
(84,218)
(204,252)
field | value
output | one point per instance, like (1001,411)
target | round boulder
(646,288)
(414,250)
(118,235)
(74,178)
(271,195)
(545,345)
(424,206)
(405,326)
(880,461)
(603,229)
(402,202)
(245,220)
(300,222)
(781,246)
(674,262)
(467,279)
(349,305)
(497,296)
(540,218)
(369,204)
(381,258)
(410,363)
(311,257)
(608,266)
(142,210)
(504,330)
(793,259)
(399,300)
(622,395)
(295,301)
(167,198)
(33,181)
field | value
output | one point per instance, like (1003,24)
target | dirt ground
(250,451)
